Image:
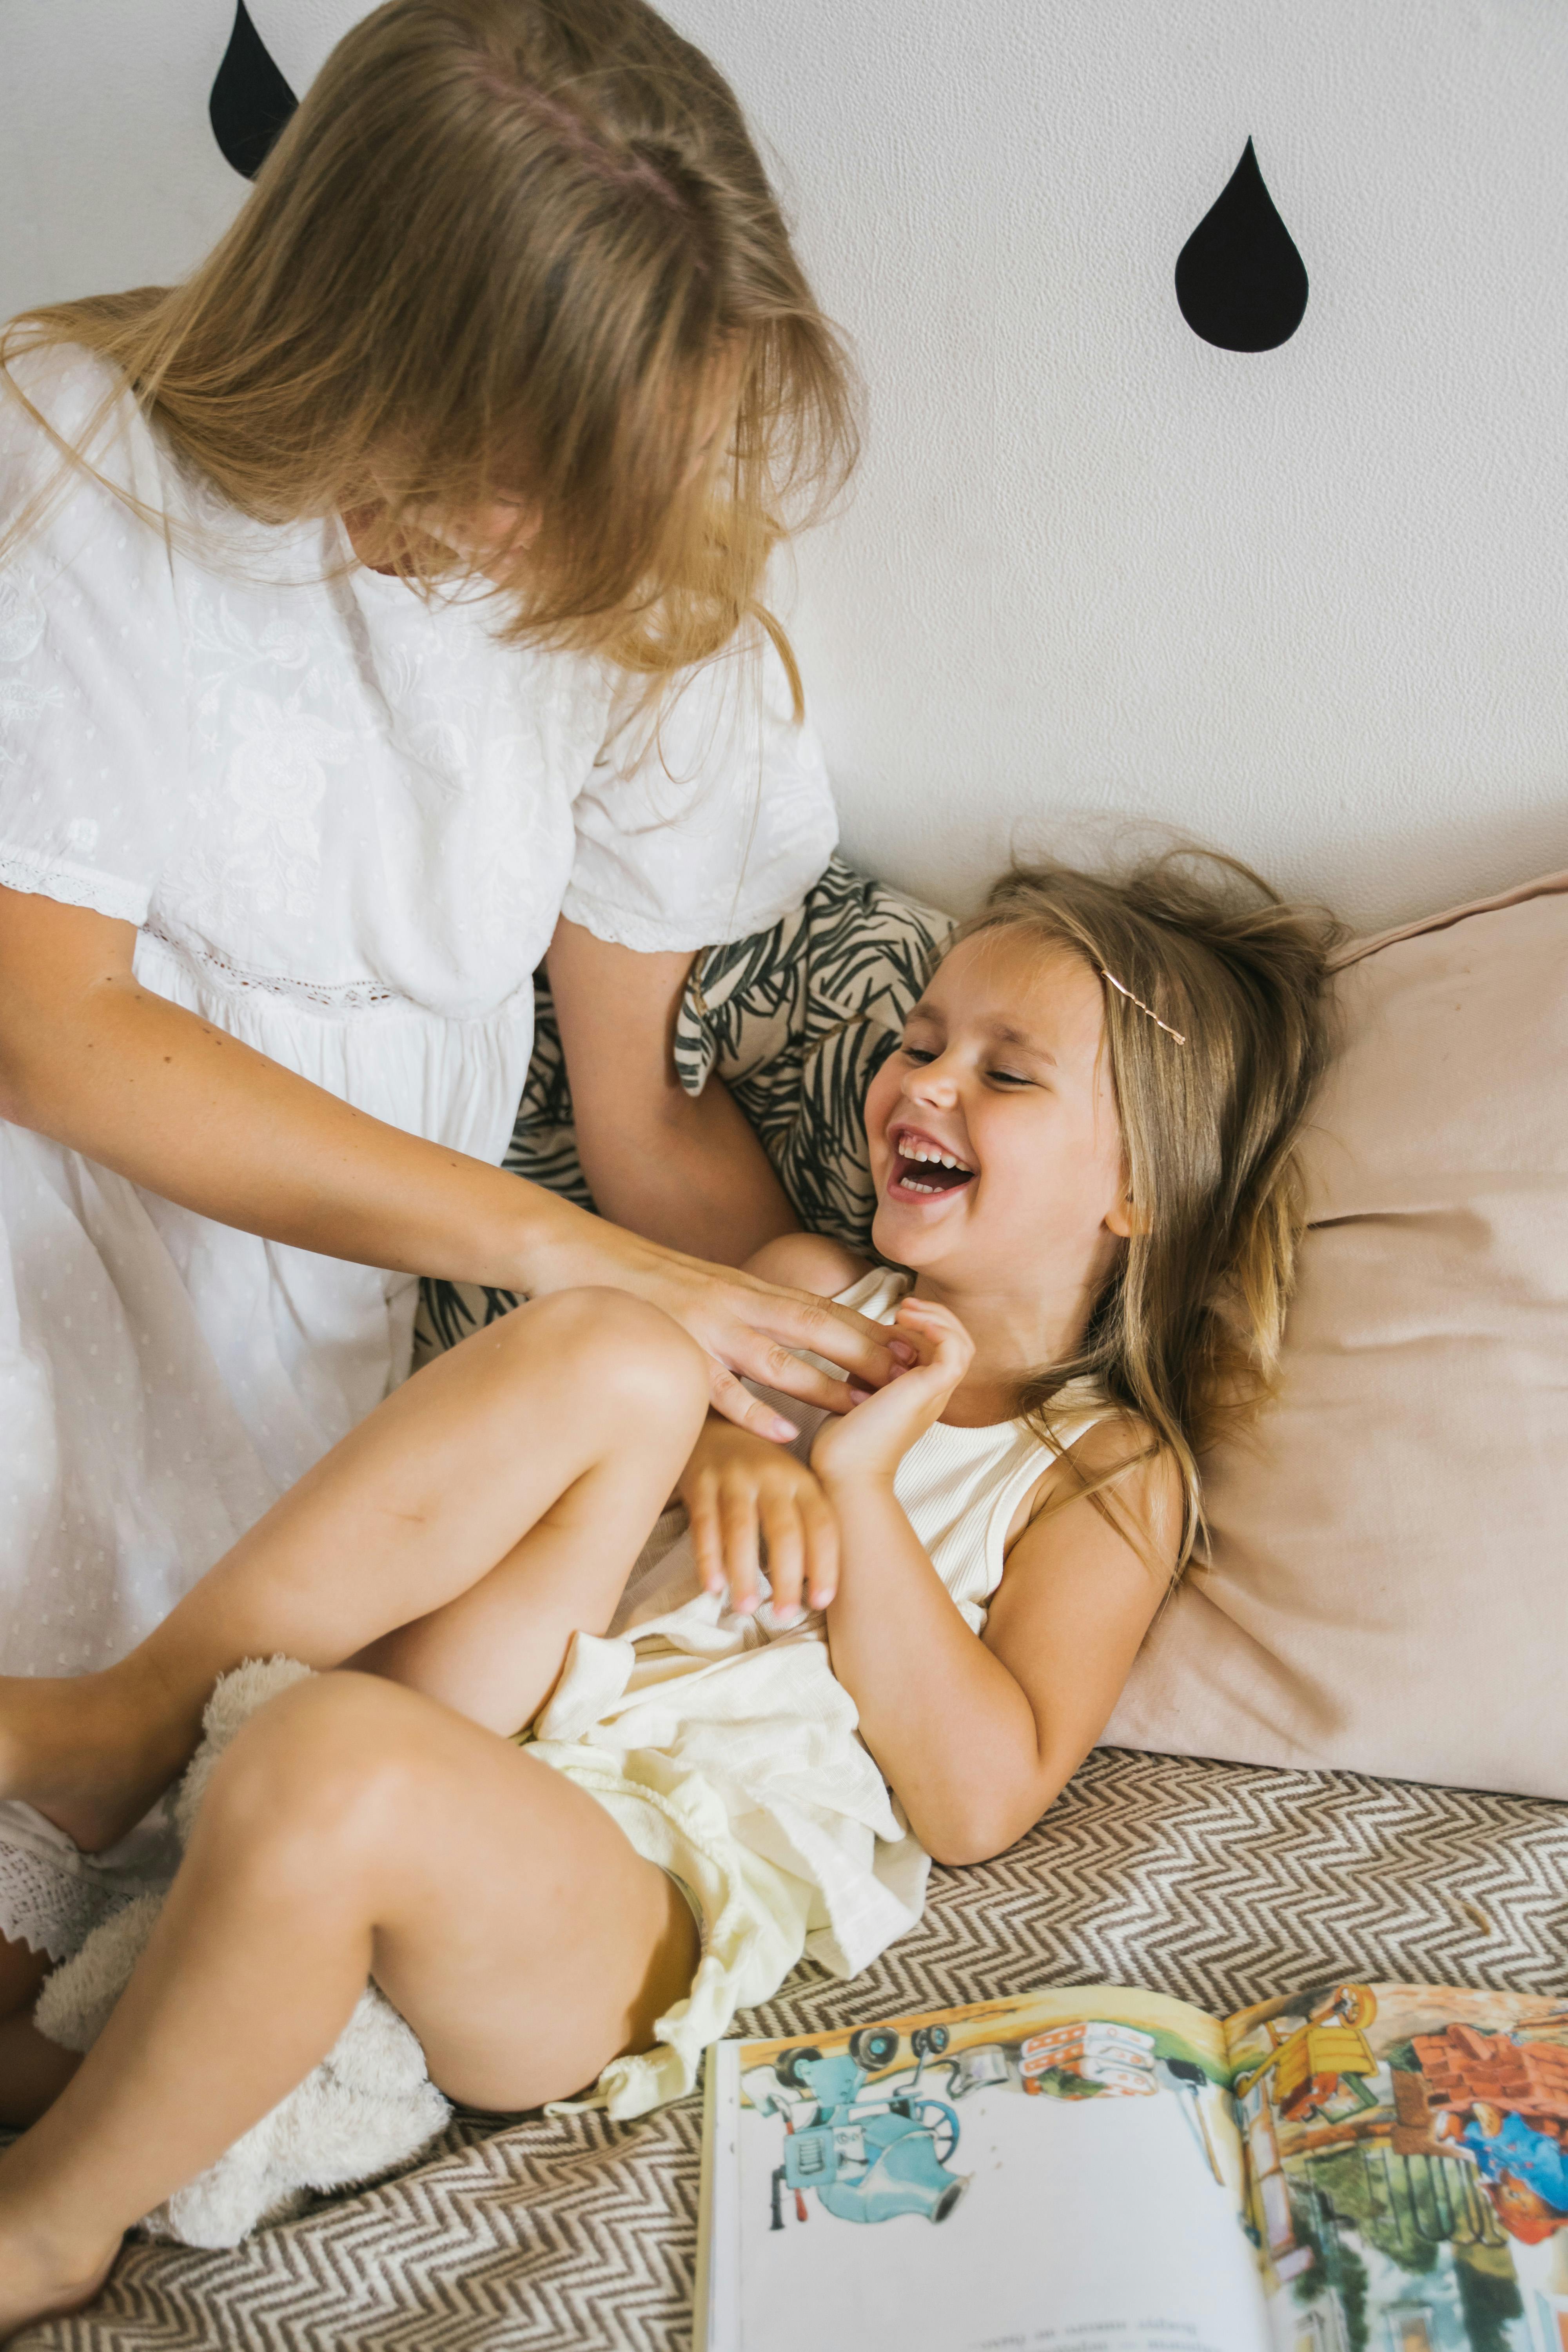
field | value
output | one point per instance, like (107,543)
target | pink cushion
(1387,1589)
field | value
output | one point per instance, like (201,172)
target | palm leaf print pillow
(797,1022)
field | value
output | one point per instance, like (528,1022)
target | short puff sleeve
(92,731)
(707,821)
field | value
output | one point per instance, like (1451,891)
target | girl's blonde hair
(1216,1032)
(509,251)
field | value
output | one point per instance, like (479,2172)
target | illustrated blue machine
(868,2157)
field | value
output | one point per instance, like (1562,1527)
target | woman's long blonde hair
(509,251)
(1217,1033)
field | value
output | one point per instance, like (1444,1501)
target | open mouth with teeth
(921,1168)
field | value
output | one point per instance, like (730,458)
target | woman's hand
(748,1327)
(740,1493)
(871,1442)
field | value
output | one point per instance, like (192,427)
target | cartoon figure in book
(1407,2151)
(867,2159)
(1503,2101)
(1327,2058)
(873,2149)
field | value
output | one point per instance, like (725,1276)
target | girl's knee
(630,1353)
(322,1765)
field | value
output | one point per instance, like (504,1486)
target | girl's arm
(978,1736)
(740,1493)
(688,1172)
(102,1064)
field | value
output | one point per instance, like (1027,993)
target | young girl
(334,586)
(1084,1161)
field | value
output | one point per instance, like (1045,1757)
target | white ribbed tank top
(960,1487)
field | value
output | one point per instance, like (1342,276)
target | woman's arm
(978,1736)
(104,1066)
(688,1172)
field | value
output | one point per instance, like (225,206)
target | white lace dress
(344,822)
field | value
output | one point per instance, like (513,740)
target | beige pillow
(1388,1583)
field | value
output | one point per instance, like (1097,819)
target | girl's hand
(871,1442)
(740,1492)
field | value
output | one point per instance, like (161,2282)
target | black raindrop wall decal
(250,101)
(1240,279)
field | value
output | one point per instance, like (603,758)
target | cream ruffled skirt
(728,1753)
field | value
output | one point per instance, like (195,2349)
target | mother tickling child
(378,610)
(1084,1155)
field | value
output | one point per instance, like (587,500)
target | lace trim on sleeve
(72,885)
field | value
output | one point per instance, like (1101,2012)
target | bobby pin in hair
(1122,990)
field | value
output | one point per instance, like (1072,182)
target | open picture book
(1099,2170)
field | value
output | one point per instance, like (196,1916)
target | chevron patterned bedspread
(1219,1883)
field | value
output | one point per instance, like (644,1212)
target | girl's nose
(931,1082)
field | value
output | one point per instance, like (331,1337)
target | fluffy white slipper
(368,2106)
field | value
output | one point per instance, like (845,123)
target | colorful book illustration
(1356,2168)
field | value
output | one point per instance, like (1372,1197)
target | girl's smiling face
(995,1143)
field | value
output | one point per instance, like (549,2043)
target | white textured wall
(1312,603)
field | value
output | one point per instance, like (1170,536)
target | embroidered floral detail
(21,619)
(20,702)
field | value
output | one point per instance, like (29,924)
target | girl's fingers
(821,1547)
(944,1336)
(787,1554)
(707,1538)
(737,1527)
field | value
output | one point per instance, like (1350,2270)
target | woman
(345,595)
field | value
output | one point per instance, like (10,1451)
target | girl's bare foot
(90,1753)
(38,2282)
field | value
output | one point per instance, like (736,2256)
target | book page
(1408,2173)
(1059,2172)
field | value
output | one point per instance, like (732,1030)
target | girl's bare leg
(353,1827)
(22,1971)
(32,2071)
(540,1452)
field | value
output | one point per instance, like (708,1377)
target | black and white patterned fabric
(1217,1883)
(797,1022)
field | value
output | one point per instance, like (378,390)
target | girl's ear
(1124,1218)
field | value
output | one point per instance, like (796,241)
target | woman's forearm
(105,1066)
(176,1105)
(953,1732)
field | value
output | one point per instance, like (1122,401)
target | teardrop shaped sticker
(1240,283)
(250,101)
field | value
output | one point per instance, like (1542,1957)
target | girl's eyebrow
(1008,1034)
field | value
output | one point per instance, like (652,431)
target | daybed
(1384,1611)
